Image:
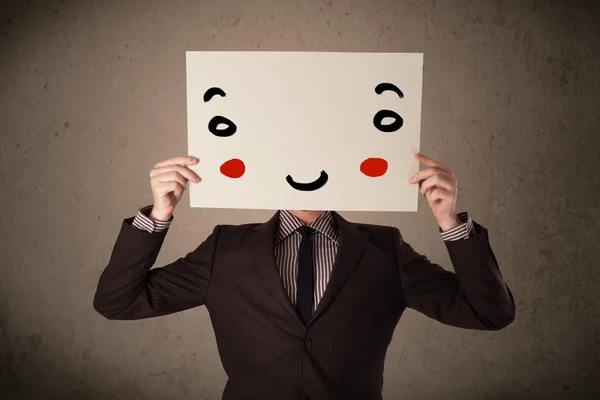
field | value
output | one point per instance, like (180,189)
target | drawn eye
(213,126)
(235,167)
(383,114)
(394,126)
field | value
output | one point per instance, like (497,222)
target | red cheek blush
(374,167)
(233,168)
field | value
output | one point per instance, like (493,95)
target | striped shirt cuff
(144,222)
(463,231)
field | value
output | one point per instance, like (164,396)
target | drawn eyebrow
(213,91)
(382,87)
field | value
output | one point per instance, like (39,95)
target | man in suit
(304,306)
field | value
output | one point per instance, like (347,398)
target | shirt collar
(288,223)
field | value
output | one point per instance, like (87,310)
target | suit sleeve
(129,289)
(475,296)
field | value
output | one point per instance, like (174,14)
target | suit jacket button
(306,343)
(305,398)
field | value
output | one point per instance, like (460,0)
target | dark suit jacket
(266,350)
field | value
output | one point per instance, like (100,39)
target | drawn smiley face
(372,167)
(304,130)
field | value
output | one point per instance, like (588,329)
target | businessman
(304,305)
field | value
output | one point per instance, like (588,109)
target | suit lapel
(262,243)
(352,244)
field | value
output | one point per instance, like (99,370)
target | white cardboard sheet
(304,125)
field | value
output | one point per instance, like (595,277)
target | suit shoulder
(233,229)
(375,229)
(381,236)
(248,226)
(235,233)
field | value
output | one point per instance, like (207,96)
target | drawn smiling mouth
(309,187)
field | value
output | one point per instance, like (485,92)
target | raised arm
(474,297)
(129,289)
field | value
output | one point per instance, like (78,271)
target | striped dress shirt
(325,241)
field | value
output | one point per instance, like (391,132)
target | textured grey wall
(93,94)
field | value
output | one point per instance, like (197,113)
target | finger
(180,160)
(178,191)
(170,176)
(168,187)
(437,195)
(430,161)
(435,181)
(427,173)
(185,171)
(428,197)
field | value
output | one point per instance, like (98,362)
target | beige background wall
(93,94)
